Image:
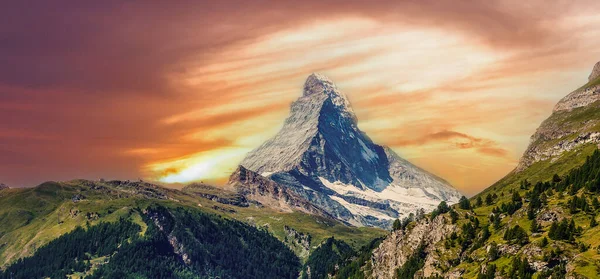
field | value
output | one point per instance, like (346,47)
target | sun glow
(416,79)
(210,165)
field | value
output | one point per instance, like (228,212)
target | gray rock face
(322,155)
(583,96)
(595,72)
(3,186)
(269,193)
(579,98)
(395,250)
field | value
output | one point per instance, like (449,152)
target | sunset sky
(177,91)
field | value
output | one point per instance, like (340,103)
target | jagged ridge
(269,193)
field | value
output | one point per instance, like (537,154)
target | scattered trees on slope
(206,246)
(516,235)
(564,230)
(323,260)
(415,262)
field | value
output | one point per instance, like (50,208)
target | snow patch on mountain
(393,192)
(361,210)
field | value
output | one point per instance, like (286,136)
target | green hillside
(35,217)
(178,242)
(568,202)
(533,224)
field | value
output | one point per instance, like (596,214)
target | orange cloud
(111,99)
(457,140)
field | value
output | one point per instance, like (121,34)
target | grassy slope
(37,215)
(32,217)
(577,121)
(588,263)
(540,171)
(591,83)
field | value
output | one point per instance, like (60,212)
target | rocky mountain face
(595,72)
(396,249)
(269,193)
(322,155)
(574,122)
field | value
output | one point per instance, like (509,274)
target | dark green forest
(72,251)
(178,243)
(324,259)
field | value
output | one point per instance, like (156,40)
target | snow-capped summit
(319,84)
(322,155)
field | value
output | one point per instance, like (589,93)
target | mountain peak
(316,84)
(595,72)
(319,88)
(322,155)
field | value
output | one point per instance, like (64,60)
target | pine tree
(493,252)
(397,225)
(534,226)
(544,242)
(556,178)
(453,216)
(497,223)
(596,203)
(464,203)
(489,200)
(553,231)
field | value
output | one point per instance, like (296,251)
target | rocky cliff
(395,250)
(574,122)
(269,193)
(595,72)
(322,155)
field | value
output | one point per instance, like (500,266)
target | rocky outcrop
(579,98)
(215,194)
(539,152)
(164,224)
(297,241)
(595,72)
(583,96)
(572,124)
(322,155)
(548,216)
(3,186)
(394,251)
(270,193)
